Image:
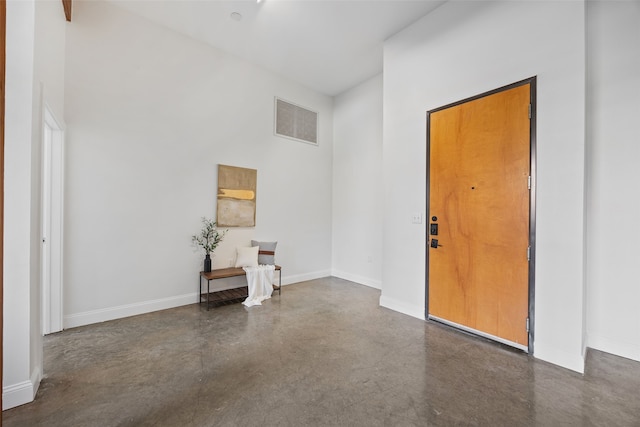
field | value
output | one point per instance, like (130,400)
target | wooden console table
(229,294)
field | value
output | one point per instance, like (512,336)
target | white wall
(467,48)
(357,184)
(35,64)
(613,233)
(17,382)
(150,114)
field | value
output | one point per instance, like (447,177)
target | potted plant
(208,239)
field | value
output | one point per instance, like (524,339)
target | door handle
(434,243)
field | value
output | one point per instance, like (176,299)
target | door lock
(433,229)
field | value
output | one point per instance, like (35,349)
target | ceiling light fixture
(236,16)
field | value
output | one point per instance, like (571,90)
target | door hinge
(529,111)
(527,324)
(528,253)
(529,182)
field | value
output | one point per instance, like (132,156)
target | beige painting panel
(236,196)
(236,213)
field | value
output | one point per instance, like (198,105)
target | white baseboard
(377,284)
(618,348)
(111,313)
(574,362)
(288,280)
(401,307)
(21,393)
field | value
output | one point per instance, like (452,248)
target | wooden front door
(479,198)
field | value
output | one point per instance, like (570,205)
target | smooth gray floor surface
(322,354)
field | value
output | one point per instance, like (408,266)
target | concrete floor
(323,353)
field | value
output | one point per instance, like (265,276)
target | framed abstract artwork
(236,205)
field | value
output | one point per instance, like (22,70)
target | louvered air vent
(293,121)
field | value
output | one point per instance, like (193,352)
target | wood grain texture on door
(479,166)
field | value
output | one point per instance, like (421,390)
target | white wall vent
(295,122)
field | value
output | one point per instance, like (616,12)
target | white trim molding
(377,284)
(112,313)
(401,307)
(288,280)
(118,312)
(21,393)
(574,362)
(622,348)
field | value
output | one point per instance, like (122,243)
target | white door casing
(52,223)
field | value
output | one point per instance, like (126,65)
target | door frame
(532,81)
(52,215)
(3,42)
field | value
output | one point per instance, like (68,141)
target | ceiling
(327,45)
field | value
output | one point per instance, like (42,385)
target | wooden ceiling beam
(66,4)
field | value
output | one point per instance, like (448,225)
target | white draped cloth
(259,281)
